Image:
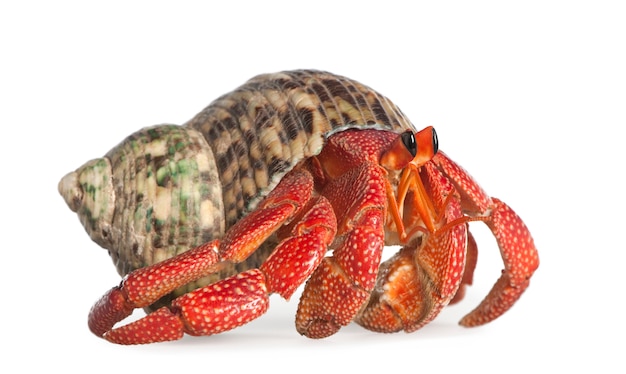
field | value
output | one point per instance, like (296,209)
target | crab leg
(146,285)
(342,283)
(236,300)
(520,262)
(217,307)
(517,247)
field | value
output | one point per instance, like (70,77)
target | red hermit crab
(294,177)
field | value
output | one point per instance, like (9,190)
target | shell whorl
(154,195)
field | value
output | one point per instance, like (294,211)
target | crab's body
(263,183)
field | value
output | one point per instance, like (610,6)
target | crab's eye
(409,142)
(435,142)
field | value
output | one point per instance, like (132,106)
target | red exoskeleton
(294,177)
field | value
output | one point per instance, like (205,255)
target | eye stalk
(427,146)
(416,148)
(408,138)
(401,152)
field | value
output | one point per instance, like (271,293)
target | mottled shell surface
(168,188)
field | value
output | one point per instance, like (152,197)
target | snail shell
(168,188)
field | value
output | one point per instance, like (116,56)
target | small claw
(520,262)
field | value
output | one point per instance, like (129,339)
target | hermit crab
(298,177)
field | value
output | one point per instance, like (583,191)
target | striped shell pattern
(168,188)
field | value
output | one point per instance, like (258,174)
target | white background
(528,96)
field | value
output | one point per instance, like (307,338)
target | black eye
(409,142)
(435,142)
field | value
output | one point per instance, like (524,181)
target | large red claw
(420,280)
